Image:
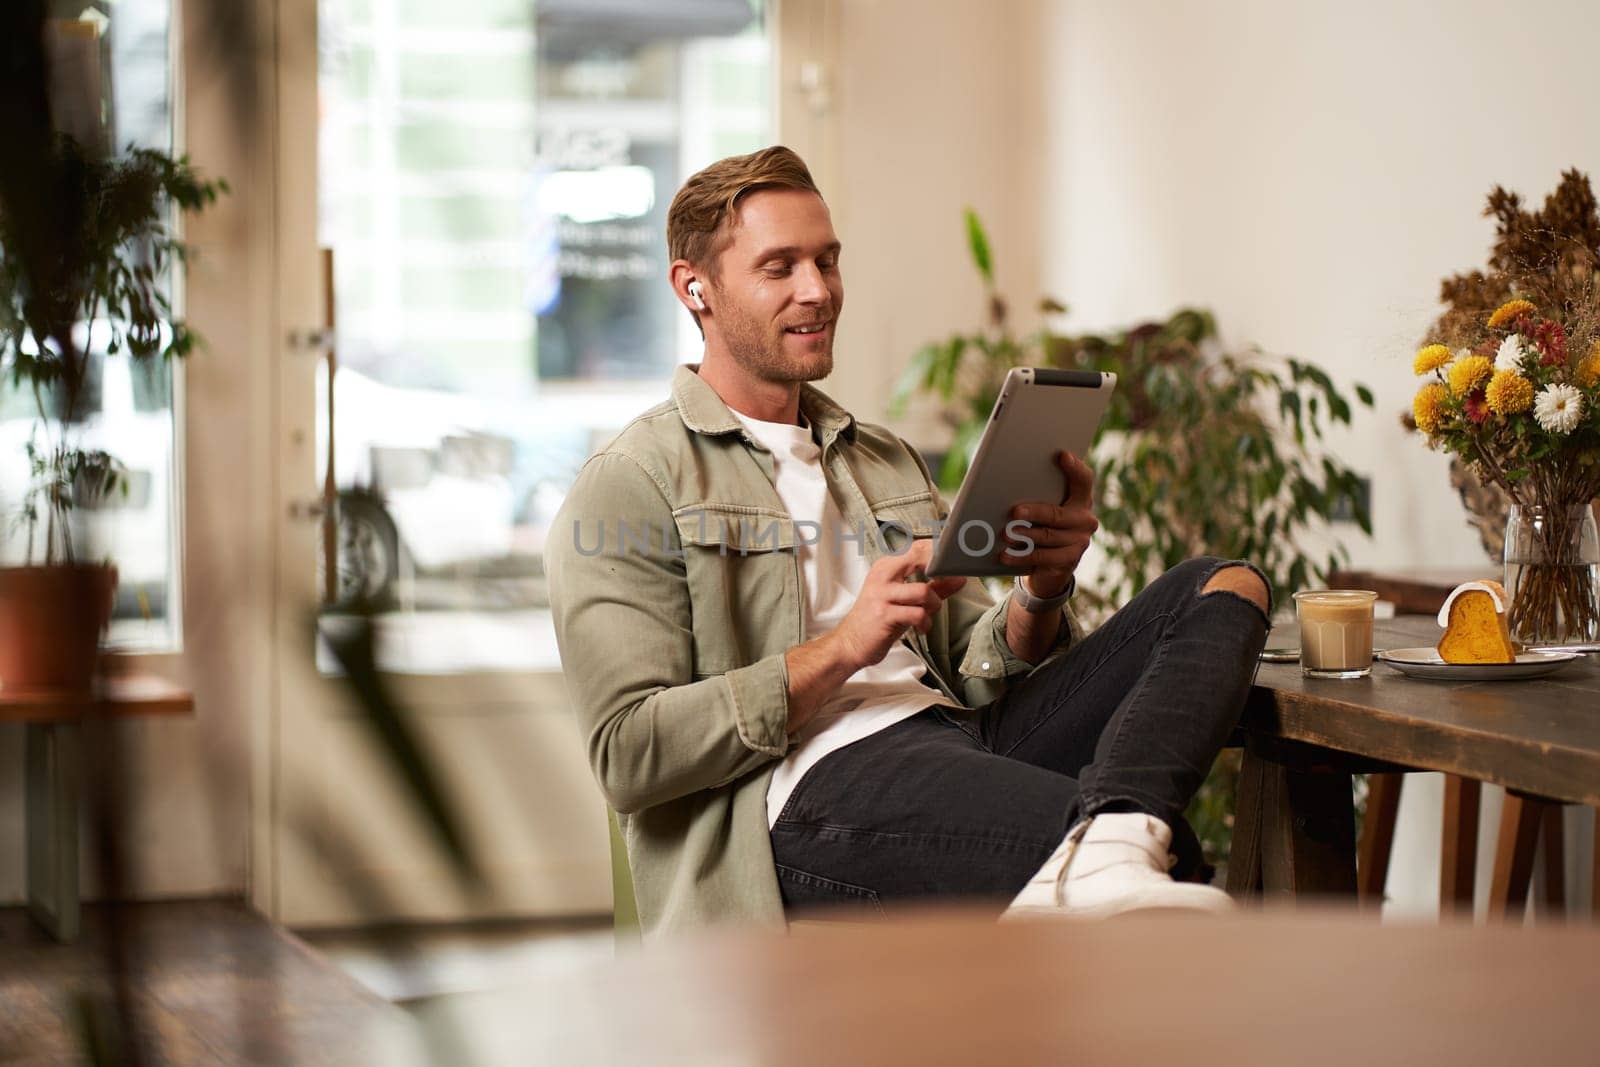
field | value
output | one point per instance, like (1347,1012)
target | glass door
(492,178)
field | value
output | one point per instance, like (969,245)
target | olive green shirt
(676,591)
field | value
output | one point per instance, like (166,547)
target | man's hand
(886,607)
(891,601)
(1060,532)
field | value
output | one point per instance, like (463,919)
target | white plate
(1425,663)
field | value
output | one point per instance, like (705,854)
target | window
(112,77)
(495,181)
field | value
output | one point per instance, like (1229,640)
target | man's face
(777,298)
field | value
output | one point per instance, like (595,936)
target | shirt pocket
(901,518)
(744,583)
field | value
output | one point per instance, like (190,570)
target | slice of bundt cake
(1474,621)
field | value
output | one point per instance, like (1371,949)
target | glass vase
(1552,558)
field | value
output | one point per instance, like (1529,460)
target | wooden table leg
(54,780)
(1513,855)
(1244,854)
(1308,833)
(1594,873)
(1377,837)
(1458,853)
(1555,860)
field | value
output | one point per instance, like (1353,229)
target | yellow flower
(1428,407)
(1510,310)
(1431,358)
(1468,373)
(1509,393)
(1588,371)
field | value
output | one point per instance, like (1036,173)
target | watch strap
(1037,604)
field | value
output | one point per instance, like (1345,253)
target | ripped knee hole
(1241,581)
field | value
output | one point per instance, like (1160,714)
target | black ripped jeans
(952,803)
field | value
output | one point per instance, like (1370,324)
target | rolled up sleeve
(989,656)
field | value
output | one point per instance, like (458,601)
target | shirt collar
(703,411)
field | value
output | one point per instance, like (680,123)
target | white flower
(1559,408)
(1511,354)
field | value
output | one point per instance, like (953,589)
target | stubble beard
(761,353)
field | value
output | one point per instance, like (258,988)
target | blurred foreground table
(1258,987)
(55,778)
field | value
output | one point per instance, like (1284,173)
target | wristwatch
(1037,604)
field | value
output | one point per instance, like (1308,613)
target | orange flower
(1430,358)
(1588,371)
(1469,374)
(1509,393)
(1428,407)
(1508,311)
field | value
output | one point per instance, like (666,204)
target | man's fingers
(1080,479)
(914,558)
(947,587)
(1073,516)
(1054,536)
(920,595)
(910,615)
(908,592)
(1067,556)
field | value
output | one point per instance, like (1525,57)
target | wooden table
(933,988)
(1295,833)
(54,774)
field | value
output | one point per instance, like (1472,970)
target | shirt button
(986,665)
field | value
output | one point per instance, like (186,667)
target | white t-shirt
(832,572)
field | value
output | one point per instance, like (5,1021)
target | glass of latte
(1335,632)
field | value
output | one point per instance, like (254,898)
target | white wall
(1310,172)
(925,104)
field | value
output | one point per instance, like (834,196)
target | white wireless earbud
(698,293)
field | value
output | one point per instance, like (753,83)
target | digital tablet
(1040,411)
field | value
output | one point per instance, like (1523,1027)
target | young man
(781,713)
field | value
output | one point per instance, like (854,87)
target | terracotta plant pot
(51,619)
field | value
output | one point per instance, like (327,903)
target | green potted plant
(86,283)
(1203,452)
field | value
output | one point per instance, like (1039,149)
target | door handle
(311,340)
(311,510)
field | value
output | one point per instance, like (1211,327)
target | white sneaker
(1110,864)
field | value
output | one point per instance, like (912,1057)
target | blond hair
(701,218)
